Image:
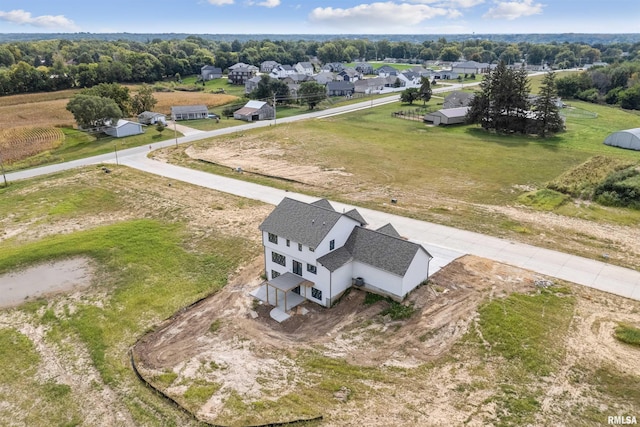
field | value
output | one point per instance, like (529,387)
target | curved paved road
(445,243)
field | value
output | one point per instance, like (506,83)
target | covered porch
(284,292)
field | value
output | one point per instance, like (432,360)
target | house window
(288,242)
(332,245)
(297,268)
(311,249)
(278,259)
(273,238)
(312,269)
(274,274)
(300,247)
(316,293)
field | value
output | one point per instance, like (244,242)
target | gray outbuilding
(447,116)
(629,139)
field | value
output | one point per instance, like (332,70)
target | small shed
(189,112)
(254,111)
(629,139)
(151,118)
(209,72)
(124,128)
(447,116)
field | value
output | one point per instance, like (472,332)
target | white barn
(447,116)
(629,139)
(124,128)
(315,253)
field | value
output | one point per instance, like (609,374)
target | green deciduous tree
(409,95)
(118,93)
(93,111)
(143,100)
(312,93)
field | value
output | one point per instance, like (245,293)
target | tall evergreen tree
(545,107)
(425,90)
(502,104)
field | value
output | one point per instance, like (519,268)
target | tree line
(49,65)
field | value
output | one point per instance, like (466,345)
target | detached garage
(124,128)
(447,116)
(629,139)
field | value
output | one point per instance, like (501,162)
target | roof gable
(301,222)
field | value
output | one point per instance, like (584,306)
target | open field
(485,345)
(459,176)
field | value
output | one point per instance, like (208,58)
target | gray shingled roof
(183,109)
(323,203)
(336,259)
(301,222)
(354,214)
(381,250)
(389,230)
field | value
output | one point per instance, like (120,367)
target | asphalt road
(444,243)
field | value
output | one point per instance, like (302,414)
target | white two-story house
(314,251)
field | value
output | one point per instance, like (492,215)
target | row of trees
(109,102)
(60,64)
(617,84)
(504,105)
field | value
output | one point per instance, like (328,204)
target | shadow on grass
(515,140)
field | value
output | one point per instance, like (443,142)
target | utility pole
(274,110)
(175,133)
(3,173)
(115,148)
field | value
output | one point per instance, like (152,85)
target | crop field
(20,143)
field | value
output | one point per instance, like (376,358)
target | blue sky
(321,17)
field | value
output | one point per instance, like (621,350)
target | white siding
(341,280)
(380,279)
(340,233)
(416,273)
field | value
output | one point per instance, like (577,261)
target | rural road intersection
(444,243)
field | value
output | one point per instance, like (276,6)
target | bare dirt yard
(253,358)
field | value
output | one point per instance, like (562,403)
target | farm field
(484,343)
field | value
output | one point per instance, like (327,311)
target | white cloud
(264,3)
(379,16)
(513,10)
(450,3)
(220,2)
(22,17)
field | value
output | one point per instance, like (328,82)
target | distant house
(209,72)
(124,128)
(447,116)
(240,75)
(444,75)
(334,67)
(386,71)
(313,252)
(282,71)
(243,65)
(340,88)
(324,77)
(254,111)
(364,68)
(304,68)
(470,67)
(251,84)
(349,75)
(189,112)
(151,118)
(368,86)
(267,66)
(457,99)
